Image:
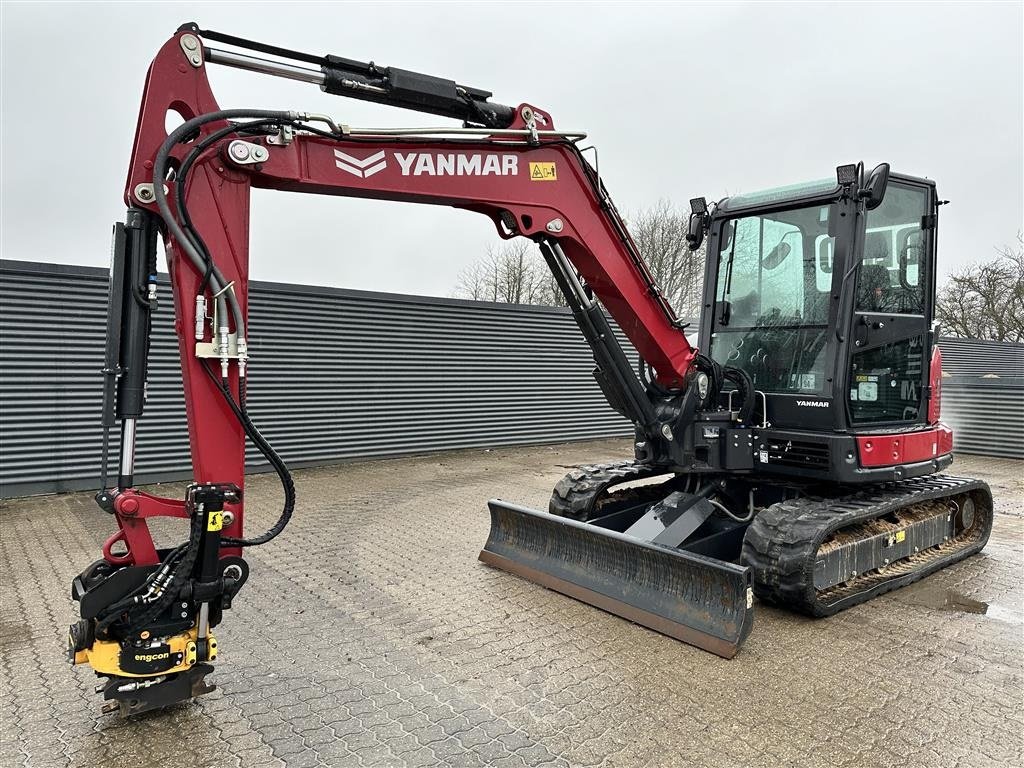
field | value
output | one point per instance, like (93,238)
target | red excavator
(794,457)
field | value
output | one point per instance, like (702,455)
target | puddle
(944,599)
(954,601)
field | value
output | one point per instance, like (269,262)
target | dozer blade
(696,599)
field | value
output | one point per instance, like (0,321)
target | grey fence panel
(987,418)
(983,396)
(335,375)
(975,358)
(343,374)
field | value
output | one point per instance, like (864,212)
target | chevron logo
(365,168)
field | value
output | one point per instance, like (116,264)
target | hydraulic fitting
(243,356)
(200,316)
(225,350)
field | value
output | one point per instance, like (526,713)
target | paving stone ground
(370,635)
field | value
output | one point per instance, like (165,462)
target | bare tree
(660,234)
(514,273)
(986,300)
(511,273)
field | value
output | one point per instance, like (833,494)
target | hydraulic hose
(287,484)
(180,188)
(745,385)
(167,573)
(197,252)
(225,299)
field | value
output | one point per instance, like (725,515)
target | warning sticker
(543,172)
(215,521)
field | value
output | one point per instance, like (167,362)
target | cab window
(772,298)
(892,275)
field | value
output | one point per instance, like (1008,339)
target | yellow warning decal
(901,536)
(543,172)
(215,521)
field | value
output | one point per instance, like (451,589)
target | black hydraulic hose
(728,513)
(179,134)
(180,187)
(745,385)
(179,574)
(262,119)
(287,484)
(652,384)
(117,611)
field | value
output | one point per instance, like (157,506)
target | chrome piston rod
(317,77)
(127,468)
(265,66)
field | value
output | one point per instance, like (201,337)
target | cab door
(893,307)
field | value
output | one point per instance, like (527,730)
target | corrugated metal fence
(335,374)
(340,374)
(983,396)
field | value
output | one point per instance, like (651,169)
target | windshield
(772,297)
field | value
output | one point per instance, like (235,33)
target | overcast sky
(681,100)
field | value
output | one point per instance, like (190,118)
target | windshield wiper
(723,316)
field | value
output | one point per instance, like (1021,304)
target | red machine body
(541,188)
(738,506)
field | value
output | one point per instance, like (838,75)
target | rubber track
(578,494)
(781,544)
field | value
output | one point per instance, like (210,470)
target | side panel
(909,448)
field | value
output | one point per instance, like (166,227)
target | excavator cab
(823,294)
(826,302)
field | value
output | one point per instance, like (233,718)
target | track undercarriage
(668,556)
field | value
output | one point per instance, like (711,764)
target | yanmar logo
(430,164)
(436,164)
(364,168)
(812,403)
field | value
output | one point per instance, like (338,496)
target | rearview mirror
(695,231)
(873,191)
(776,255)
(698,218)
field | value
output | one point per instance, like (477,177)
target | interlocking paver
(370,635)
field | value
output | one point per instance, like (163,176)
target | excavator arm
(531,181)
(148,613)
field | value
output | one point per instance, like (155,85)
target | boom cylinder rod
(264,66)
(383,85)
